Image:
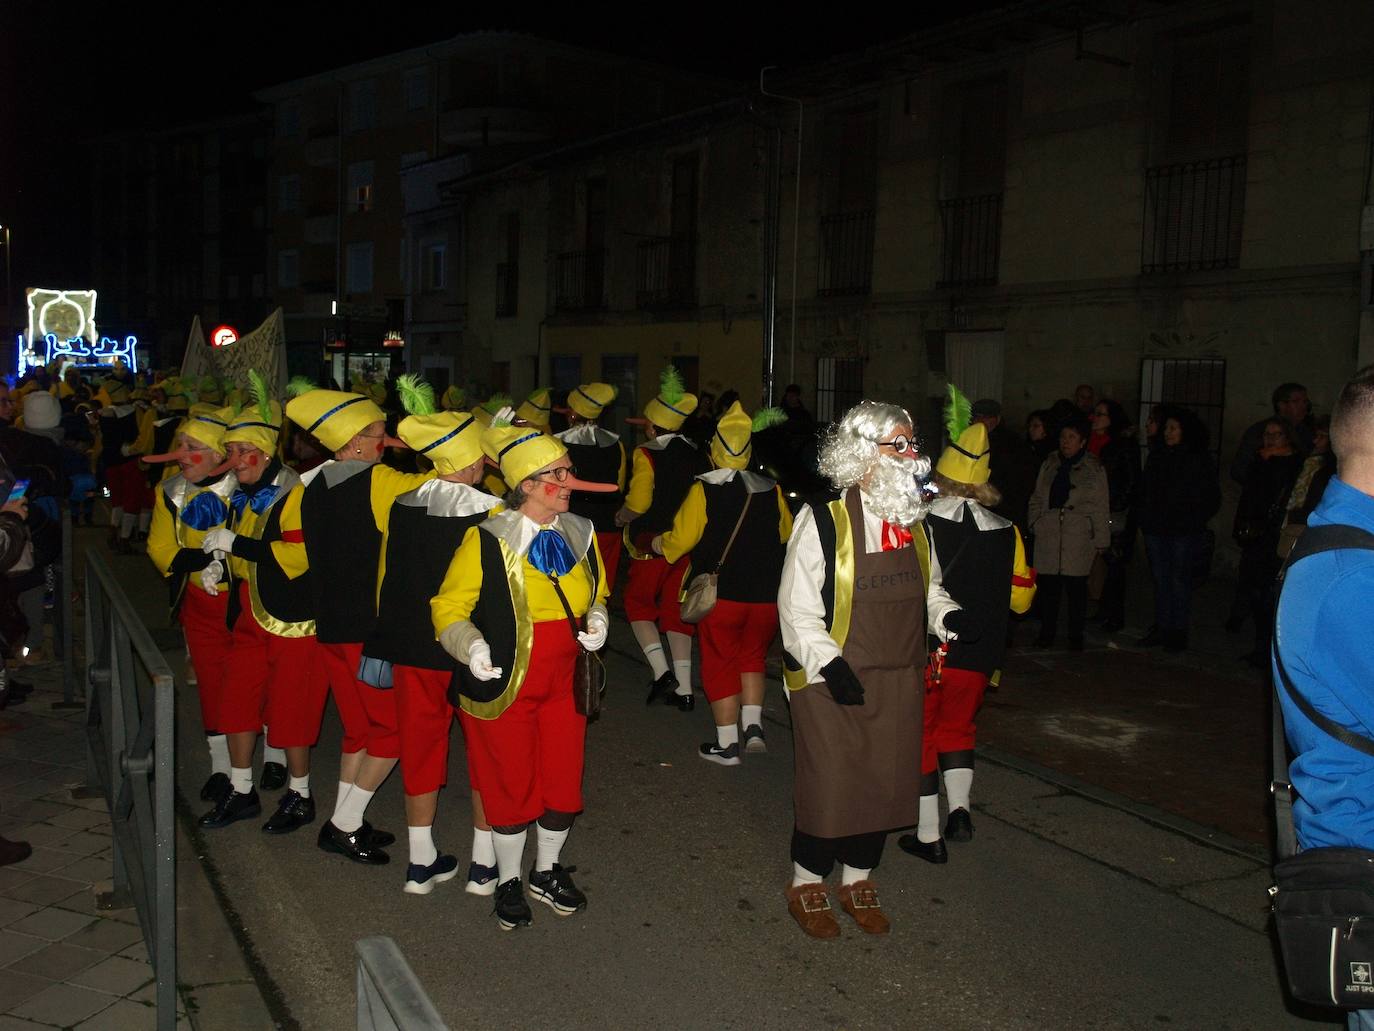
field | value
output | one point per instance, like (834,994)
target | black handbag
(589,672)
(1322,898)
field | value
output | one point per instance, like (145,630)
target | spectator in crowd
(1326,650)
(1178,496)
(1085,398)
(6,404)
(1068,514)
(1061,412)
(1038,435)
(1259,517)
(1317,470)
(1290,405)
(35,454)
(1115,447)
(1014,464)
(800,422)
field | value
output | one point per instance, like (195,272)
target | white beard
(893,492)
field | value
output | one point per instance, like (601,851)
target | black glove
(965,625)
(189,560)
(844,685)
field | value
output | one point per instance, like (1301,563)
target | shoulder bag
(589,672)
(700,597)
(1322,898)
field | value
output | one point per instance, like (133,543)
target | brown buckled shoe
(809,905)
(860,900)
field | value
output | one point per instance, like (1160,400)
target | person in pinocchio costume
(344,510)
(598,455)
(274,683)
(425,528)
(736,633)
(662,472)
(189,504)
(979,552)
(505,612)
(859,589)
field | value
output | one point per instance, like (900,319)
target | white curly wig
(850,451)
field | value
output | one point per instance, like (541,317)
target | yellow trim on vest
(269,622)
(524,641)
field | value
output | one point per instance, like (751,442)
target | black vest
(419,549)
(343,545)
(976,567)
(675,467)
(291,601)
(115,432)
(597,465)
(753,568)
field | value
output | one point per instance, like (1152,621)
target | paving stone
(138,950)
(16,987)
(43,834)
(15,1024)
(148,995)
(106,935)
(12,910)
(230,1007)
(78,818)
(124,1015)
(58,962)
(63,1005)
(87,842)
(52,924)
(40,810)
(43,889)
(47,860)
(12,878)
(115,976)
(14,946)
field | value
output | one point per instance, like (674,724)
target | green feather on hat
(417,396)
(262,396)
(766,418)
(299,385)
(958,413)
(670,386)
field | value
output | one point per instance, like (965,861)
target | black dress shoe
(682,702)
(959,826)
(356,846)
(381,839)
(930,851)
(215,787)
(232,806)
(273,777)
(662,688)
(293,812)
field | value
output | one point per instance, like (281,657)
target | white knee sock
(270,754)
(751,715)
(116,516)
(801,875)
(727,736)
(682,673)
(549,846)
(653,655)
(958,781)
(510,852)
(219,753)
(422,850)
(849,874)
(242,780)
(483,851)
(348,817)
(126,525)
(300,785)
(928,823)
(344,788)
(145,519)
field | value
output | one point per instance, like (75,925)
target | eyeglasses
(900,444)
(560,474)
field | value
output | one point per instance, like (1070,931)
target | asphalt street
(1067,910)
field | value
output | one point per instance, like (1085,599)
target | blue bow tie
(549,553)
(205,511)
(260,501)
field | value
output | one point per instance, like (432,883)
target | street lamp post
(9,267)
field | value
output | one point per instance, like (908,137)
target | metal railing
(129,758)
(507,287)
(666,271)
(64,623)
(579,281)
(846,254)
(972,246)
(390,996)
(1194,213)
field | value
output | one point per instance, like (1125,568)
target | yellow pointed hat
(451,440)
(454,399)
(730,446)
(334,417)
(521,451)
(207,428)
(590,399)
(536,408)
(966,460)
(260,423)
(672,405)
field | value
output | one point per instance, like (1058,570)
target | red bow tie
(895,537)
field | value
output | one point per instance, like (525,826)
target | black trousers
(860,851)
(1048,593)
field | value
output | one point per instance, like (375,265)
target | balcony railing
(507,285)
(1194,213)
(846,254)
(665,272)
(972,229)
(579,281)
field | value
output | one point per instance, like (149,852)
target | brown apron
(858,766)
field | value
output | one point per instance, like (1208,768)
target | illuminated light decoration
(63,313)
(79,352)
(223,336)
(393,339)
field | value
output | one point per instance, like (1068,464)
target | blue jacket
(1324,636)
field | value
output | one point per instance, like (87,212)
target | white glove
(656,545)
(219,539)
(594,636)
(506,414)
(210,576)
(126,450)
(479,662)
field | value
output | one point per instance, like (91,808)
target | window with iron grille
(973,172)
(1194,214)
(849,178)
(839,386)
(1198,384)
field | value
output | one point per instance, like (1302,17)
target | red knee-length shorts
(651,594)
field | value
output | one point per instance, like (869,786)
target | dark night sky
(134,65)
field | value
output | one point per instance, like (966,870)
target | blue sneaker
(481,880)
(420,880)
